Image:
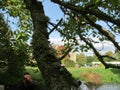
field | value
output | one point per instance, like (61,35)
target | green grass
(37,77)
(107,75)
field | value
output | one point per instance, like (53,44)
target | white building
(95,64)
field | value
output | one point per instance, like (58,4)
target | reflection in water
(107,87)
(83,86)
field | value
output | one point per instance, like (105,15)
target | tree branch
(100,57)
(66,53)
(104,16)
(109,57)
(103,32)
(70,6)
(94,12)
(55,27)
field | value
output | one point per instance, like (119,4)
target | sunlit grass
(106,75)
(93,75)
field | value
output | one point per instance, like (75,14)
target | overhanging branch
(66,53)
(100,57)
(95,12)
(108,57)
(103,32)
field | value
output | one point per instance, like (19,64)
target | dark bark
(55,76)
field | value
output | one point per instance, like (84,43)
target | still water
(107,87)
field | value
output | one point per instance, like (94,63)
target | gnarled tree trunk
(56,77)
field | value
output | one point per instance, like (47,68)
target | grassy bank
(95,74)
(106,75)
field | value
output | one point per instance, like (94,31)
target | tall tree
(56,77)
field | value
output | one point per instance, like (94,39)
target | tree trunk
(56,77)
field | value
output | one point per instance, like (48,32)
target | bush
(13,82)
(68,63)
(37,77)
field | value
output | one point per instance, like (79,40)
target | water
(101,87)
(83,86)
(107,87)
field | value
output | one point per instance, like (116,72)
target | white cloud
(105,46)
(102,47)
(56,41)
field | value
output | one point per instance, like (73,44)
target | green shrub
(68,63)
(15,81)
(37,77)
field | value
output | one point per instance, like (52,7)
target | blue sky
(54,13)
(52,10)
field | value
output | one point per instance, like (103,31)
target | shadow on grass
(116,71)
(117,74)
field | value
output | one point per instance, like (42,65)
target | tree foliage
(109,53)
(5,35)
(91,22)
(81,59)
(50,66)
(68,63)
(14,47)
